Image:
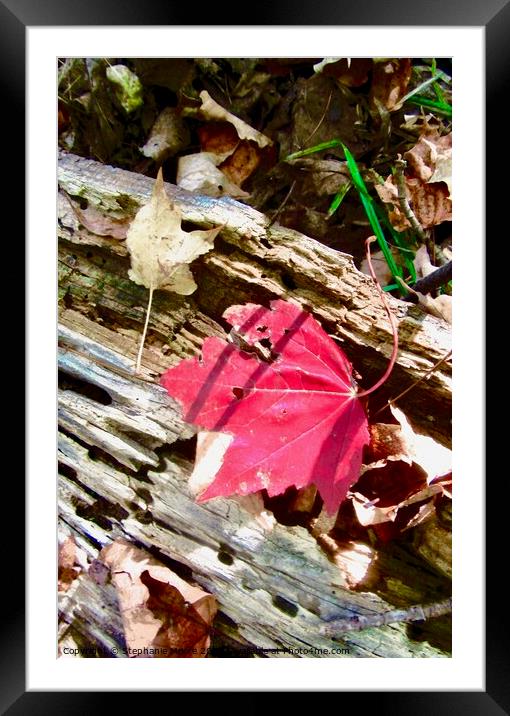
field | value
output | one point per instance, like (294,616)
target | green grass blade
(439,107)
(333,144)
(400,242)
(366,200)
(338,198)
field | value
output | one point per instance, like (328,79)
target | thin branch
(400,165)
(430,283)
(416,382)
(343,625)
(321,120)
(280,208)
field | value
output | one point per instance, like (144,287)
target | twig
(343,625)
(321,120)
(400,165)
(429,283)
(280,208)
(416,382)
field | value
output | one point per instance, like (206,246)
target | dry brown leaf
(424,125)
(431,456)
(422,263)
(218,138)
(443,170)
(97,223)
(163,616)
(430,203)
(390,79)
(407,470)
(213,111)
(241,163)
(427,182)
(168,136)
(71,562)
(424,157)
(350,71)
(440,306)
(160,250)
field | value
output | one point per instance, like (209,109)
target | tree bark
(125,454)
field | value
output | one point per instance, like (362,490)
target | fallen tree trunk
(125,453)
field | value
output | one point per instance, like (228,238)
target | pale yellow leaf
(160,250)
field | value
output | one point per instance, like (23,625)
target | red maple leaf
(295,418)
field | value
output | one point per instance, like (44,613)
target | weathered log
(124,451)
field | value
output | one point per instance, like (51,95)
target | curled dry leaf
(168,136)
(212,110)
(430,203)
(163,616)
(429,154)
(241,163)
(428,183)
(160,250)
(406,470)
(422,263)
(200,173)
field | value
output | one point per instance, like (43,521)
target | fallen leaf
(431,203)
(294,421)
(350,71)
(424,157)
(160,250)
(241,163)
(163,616)
(169,135)
(218,138)
(98,223)
(390,79)
(422,263)
(129,88)
(200,173)
(71,562)
(427,182)
(212,110)
(211,449)
(443,170)
(406,470)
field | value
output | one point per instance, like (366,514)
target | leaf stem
(142,341)
(393,326)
